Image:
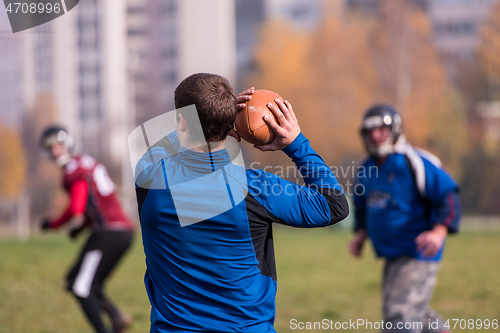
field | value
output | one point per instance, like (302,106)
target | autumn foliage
(332,75)
(12,164)
(489,50)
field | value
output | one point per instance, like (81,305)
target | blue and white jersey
(406,195)
(207,233)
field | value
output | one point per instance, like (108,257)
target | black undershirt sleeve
(339,208)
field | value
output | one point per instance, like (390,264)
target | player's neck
(380,160)
(206,147)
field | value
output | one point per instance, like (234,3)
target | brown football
(249,122)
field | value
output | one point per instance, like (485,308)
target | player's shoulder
(162,150)
(364,168)
(364,161)
(169,144)
(419,156)
(259,178)
(429,165)
(259,174)
(79,166)
(429,157)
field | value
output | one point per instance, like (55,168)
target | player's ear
(181,121)
(234,134)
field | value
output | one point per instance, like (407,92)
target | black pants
(99,256)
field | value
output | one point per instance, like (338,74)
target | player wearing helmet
(94,206)
(385,121)
(406,209)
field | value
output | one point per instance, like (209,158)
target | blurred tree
(410,74)
(281,57)
(480,171)
(326,77)
(448,131)
(43,178)
(489,51)
(345,82)
(480,182)
(12,164)
(332,75)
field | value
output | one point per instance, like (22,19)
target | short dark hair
(215,102)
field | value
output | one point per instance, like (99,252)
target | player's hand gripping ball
(249,122)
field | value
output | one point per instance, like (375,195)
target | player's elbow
(339,210)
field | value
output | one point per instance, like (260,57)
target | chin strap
(400,143)
(387,148)
(63,160)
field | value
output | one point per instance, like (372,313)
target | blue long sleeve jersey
(406,195)
(207,233)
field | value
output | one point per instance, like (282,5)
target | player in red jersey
(93,205)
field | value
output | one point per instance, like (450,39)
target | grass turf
(317,279)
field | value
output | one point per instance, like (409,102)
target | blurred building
(363,6)
(456,26)
(371,6)
(79,60)
(170,39)
(302,15)
(109,65)
(249,17)
(489,113)
(90,74)
(153,52)
(12,94)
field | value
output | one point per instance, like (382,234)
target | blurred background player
(93,205)
(407,208)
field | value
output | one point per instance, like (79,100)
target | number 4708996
(471,324)
(25,8)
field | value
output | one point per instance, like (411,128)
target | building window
(135,10)
(455,28)
(298,13)
(169,53)
(170,77)
(168,31)
(136,32)
(168,8)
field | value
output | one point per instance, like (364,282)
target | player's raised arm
(321,201)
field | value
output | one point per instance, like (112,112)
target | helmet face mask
(381,116)
(56,135)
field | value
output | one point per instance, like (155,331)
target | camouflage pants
(408,286)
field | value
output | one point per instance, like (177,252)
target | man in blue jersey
(407,208)
(207,222)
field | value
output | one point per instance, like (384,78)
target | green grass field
(317,279)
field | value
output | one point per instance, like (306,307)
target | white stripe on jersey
(430,157)
(416,163)
(85,277)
